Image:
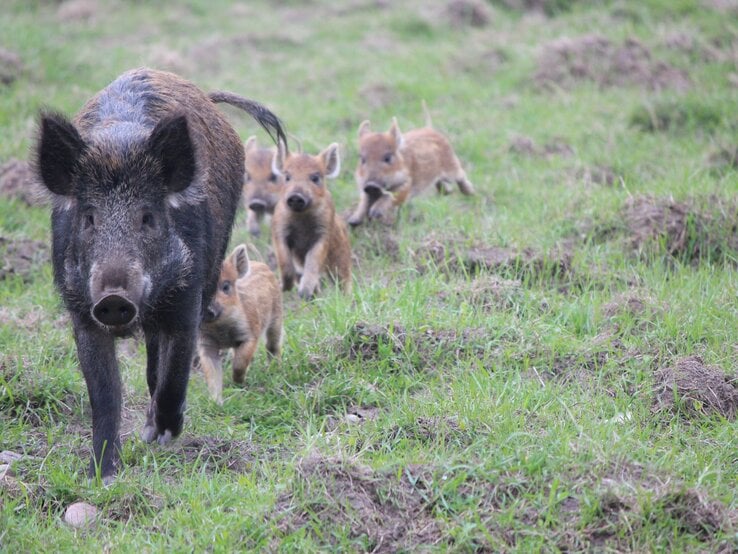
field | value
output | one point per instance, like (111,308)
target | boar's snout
(114,310)
(297,202)
(213,312)
(373,190)
(257,205)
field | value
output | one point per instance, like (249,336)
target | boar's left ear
(58,149)
(240,260)
(331,161)
(171,145)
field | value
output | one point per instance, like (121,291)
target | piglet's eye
(315,178)
(287,177)
(246,177)
(363,160)
(388,158)
(226,287)
(272,178)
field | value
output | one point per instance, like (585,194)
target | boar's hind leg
(96,352)
(166,412)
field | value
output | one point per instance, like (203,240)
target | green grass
(439,406)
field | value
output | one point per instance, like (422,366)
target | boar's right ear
(171,145)
(364,128)
(279,158)
(250,143)
(58,149)
(240,260)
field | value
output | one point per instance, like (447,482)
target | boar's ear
(58,149)
(240,260)
(171,145)
(250,143)
(331,161)
(396,134)
(279,158)
(364,128)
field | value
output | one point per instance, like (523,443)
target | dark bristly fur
(146,180)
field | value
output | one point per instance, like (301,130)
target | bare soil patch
(18,181)
(467,13)
(566,62)
(11,66)
(389,513)
(21,258)
(601,175)
(525,146)
(450,255)
(691,389)
(77,10)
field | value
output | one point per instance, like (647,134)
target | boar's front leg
(96,352)
(166,412)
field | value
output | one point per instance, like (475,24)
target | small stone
(5,471)
(80,514)
(8,456)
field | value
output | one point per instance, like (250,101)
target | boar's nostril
(114,310)
(373,190)
(297,202)
(257,205)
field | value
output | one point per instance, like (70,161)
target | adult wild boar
(145,183)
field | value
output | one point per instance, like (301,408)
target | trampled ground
(549,365)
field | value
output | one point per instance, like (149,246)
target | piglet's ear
(250,143)
(331,161)
(365,128)
(395,133)
(58,149)
(240,260)
(171,145)
(279,158)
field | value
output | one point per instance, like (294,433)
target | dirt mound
(451,256)
(18,181)
(692,389)
(697,229)
(566,62)
(365,340)
(525,146)
(386,512)
(11,66)
(723,160)
(77,10)
(378,95)
(467,13)
(633,304)
(21,257)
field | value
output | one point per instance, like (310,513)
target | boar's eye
(388,158)
(226,287)
(147,220)
(315,178)
(273,177)
(89,220)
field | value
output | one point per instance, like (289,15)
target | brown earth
(691,389)
(525,146)
(22,258)
(567,61)
(11,66)
(467,13)
(18,181)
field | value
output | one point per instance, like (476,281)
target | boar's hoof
(149,433)
(114,310)
(298,203)
(166,438)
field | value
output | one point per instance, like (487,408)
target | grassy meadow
(546,366)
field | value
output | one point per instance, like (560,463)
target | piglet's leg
(242,357)
(96,351)
(212,368)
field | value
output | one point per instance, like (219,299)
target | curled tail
(263,116)
(428,120)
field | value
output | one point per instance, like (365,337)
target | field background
(548,365)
